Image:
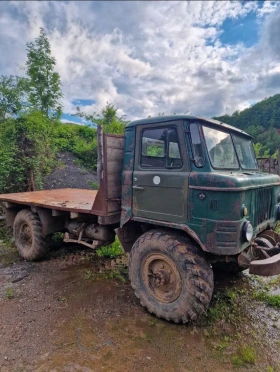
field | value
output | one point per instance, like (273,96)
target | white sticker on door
(156,180)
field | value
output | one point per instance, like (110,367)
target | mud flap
(267,267)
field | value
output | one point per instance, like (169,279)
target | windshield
(245,152)
(223,154)
(220,149)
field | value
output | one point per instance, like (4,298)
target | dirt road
(76,312)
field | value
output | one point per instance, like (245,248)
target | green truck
(184,195)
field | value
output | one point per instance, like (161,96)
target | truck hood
(232,180)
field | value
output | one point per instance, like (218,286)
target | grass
(6,235)
(57,239)
(224,306)
(275,281)
(110,251)
(269,299)
(223,344)
(246,356)
(9,293)
(117,274)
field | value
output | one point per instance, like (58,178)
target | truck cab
(201,176)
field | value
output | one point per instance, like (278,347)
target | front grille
(263,205)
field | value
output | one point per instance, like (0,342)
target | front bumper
(266,267)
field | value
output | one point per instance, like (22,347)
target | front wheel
(28,233)
(170,276)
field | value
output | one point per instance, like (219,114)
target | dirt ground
(69,313)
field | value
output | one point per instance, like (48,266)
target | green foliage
(272,300)
(155,150)
(110,251)
(261,151)
(9,293)
(11,96)
(108,119)
(44,86)
(261,121)
(26,152)
(118,274)
(224,306)
(94,185)
(80,140)
(57,239)
(246,356)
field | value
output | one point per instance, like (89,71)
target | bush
(26,152)
(110,251)
(79,140)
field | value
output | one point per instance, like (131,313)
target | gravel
(69,174)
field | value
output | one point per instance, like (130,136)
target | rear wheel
(28,234)
(170,276)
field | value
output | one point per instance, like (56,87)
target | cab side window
(197,150)
(160,148)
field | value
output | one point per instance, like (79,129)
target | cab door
(161,171)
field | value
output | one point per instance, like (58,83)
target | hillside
(261,121)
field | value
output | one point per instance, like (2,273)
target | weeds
(224,306)
(9,293)
(275,281)
(246,355)
(62,299)
(89,275)
(93,185)
(269,299)
(5,235)
(57,239)
(223,344)
(118,274)
(110,251)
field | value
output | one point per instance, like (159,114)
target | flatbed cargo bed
(72,200)
(105,203)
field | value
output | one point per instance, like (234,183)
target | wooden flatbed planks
(72,200)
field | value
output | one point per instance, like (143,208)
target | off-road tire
(195,272)
(37,246)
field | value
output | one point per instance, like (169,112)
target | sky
(206,58)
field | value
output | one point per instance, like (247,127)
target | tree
(11,96)
(26,152)
(44,89)
(108,119)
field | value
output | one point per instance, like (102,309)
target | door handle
(137,188)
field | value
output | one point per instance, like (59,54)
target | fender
(177,226)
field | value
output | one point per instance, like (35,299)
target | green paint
(202,200)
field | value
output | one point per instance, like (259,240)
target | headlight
(247,231)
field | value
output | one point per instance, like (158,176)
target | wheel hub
(161,278)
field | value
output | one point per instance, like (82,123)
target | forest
(262,122)
(32,132)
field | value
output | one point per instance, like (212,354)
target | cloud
(148,57)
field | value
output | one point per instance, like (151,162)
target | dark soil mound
(69,174)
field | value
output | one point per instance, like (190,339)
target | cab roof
(162,119)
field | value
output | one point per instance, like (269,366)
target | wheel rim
(161,278)
(25,236)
